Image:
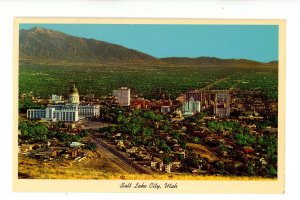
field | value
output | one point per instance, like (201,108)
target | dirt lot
(203,151)
(98,169)
(96,166)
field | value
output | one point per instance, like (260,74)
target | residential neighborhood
(203,133)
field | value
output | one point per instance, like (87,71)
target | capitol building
(71,111)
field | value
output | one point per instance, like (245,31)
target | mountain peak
(38,29)
(40,44)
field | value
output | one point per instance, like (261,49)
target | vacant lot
(32,169)
(203,152)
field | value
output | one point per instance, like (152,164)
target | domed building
(74,95)
(71,111)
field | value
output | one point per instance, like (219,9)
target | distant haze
(254,42)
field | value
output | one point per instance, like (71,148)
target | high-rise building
(222,105)
(123,96)
(191,106)
(195,94)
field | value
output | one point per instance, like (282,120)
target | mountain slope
(39,44)
(212,61)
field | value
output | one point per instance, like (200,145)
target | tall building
(195,94)
(222,105)
(70,112)
(191,106)
(123,96)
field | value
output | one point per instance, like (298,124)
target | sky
(254,42)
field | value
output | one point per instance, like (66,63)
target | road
(121,160)
(216,82)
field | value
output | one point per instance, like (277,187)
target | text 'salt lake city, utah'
(149,105)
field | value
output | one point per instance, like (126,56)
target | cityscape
(223,124)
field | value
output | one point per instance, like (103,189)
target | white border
(288,10)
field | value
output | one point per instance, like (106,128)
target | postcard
(149,105)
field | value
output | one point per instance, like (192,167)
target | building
(191,106)
(56,98)
(165,109)
(71,111)
(222,105)
(88,110)
(178,116)
(140,103)
(168,168)
(195,94)
(123,96)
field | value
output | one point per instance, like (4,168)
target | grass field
(32,169)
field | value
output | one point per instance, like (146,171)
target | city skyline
(253,42)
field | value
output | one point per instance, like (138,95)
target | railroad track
(121,157)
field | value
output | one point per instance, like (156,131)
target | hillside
(212,61)
(44,45)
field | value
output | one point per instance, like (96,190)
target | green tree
(147,131)
(196,140)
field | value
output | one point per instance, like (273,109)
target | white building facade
(191,106)
(69,112)
(56,98)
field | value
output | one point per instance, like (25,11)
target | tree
(90,146)
(250,168)
(120,118)
(147,131)
(163,145)
(27,103)
(135,129)
(272,171)
(167,159)
(196,140)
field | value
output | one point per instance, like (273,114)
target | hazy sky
(255,42)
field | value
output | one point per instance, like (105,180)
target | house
(177,148)
(154,149)
(76,144)
(176,164)
(120,144)
(132,150)
(73,153)
(146,156)
(167,168)
(25,147)
(154,164)
(263,161)
(161,165)
(248,149)
(50,153)
(182,153)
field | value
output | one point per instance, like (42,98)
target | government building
(71,111)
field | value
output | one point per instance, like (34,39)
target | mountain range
(40,45)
